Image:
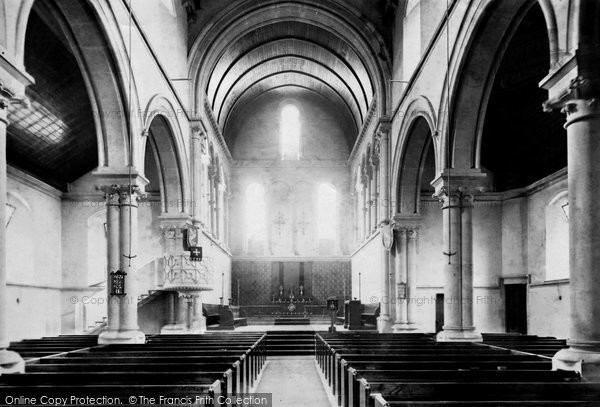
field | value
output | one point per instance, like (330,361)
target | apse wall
(290,186)
(254,131)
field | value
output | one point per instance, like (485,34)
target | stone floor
(294,381)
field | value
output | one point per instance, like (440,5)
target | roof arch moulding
(322,34)
(474,61)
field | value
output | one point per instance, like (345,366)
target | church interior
(330,202)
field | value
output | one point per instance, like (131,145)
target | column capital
(455,184)
(122,178)
(406,222)
(383,128)
(111,193)
(8,96)
(130,195)
(578,101)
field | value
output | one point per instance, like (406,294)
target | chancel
(332,202)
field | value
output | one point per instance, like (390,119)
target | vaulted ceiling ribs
(288,53)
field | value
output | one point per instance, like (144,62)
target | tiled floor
(294,382)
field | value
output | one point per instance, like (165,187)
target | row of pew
(393,370)
(539,345)
(180,369)
(37,348)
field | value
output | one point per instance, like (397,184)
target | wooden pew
(185,365)
(478,391)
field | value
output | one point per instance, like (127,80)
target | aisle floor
(299,386)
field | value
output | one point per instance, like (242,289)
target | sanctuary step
(290,343)
(292,321)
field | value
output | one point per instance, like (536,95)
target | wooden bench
(367,370)
(369,314)
(170,365)
(479,391)
(211,313)
(229,321)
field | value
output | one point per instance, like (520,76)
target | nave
(345,369)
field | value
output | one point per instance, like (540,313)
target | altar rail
(283,309)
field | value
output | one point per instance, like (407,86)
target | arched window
(557,237)
(290,133)
(327,214)
(255,218)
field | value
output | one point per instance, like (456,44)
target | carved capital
(111,194)
(581,90)
(8,97)
(129,195)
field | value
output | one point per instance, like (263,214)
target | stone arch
(99,52)
(474,61)
(162,141)
(171,153)
(408,170)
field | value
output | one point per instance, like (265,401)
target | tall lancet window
(328,219)
(290,133)
(255,218)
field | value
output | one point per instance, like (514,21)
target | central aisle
(294,382)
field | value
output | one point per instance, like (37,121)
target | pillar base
(584,361)
(107,337)
(174,329)
(459,335)
(11,362)
(199,325)
(401,327)
(384,324)
(121,337)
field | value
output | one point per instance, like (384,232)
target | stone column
(113,263)
(369,203)
(411,271)
(221,210)
(182,312)
(198,140)
(374,196)
(198,325)
(406,274)
(455,192)
(384,195)
(212,199)
(583,145)
(128,322)
(384,321)
(10,362)
(401,321)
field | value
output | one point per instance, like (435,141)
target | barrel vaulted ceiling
(257,46)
